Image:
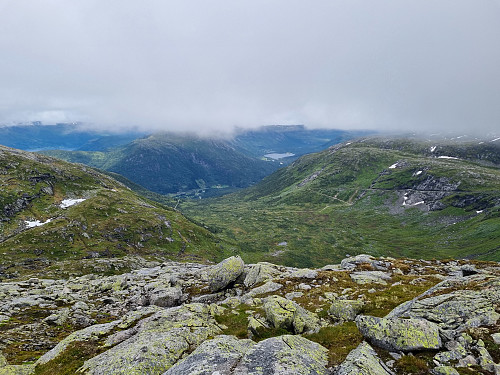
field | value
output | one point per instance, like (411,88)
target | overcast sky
(213,65)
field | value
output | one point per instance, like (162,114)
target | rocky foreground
(364,316)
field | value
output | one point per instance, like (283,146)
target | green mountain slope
(174,163)
(52,211)
(377,196)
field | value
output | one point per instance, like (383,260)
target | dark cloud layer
(213,65)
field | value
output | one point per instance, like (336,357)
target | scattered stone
(400,334)
(224,273)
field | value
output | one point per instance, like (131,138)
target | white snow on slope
(447,157)
(70,202)
(36,223)
(494,140)
(393,166)
(433,148)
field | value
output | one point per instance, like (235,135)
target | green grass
(330,204)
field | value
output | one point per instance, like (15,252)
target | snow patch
(70,202)
(496,139)
(348,143)
(393,166)
(433,148)
(35,223)
(447,157)
(478,212)
(417,173)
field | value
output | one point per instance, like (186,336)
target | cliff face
(363,316)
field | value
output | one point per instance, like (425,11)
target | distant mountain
(63,137)
(187,165)
(53,211)
(382,196)
(178,163)
(292,139)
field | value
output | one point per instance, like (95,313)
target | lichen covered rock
(17,370)
(400,334)
(224,273)
(260,272)
(286,314)
(362,361)
(219,355)
(345,310)
(161,340)
(284,355)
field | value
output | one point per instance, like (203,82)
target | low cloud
(211,66)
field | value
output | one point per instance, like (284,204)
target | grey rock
(268,287)
(161,340)
(362,259)
(17,370)
(457,311)
(362,361)
(167,297)
(286,314)
(284,355)
(58,318)
(304,273)
(345,310)
(219,355)
(369,277)
(400,334)
(444,370)
(224,273)
(496,338)
(90,333)
(260,272)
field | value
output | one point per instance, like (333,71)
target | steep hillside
(52,211)
(377,196)
(173,163)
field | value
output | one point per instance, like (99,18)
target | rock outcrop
(260,319)
(224,273)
